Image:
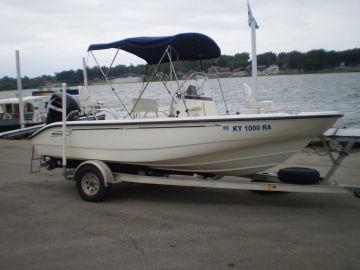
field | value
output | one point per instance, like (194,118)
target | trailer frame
(100,177)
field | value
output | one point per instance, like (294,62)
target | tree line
(311,61)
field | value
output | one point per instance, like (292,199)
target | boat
(189,137)
(34,112)
(36,108)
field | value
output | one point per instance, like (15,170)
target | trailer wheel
(357,193)
(90,184)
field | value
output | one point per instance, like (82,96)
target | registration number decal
(247,128)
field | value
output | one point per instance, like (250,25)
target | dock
(45,223)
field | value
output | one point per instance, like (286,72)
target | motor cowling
(55,108)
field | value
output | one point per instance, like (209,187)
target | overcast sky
(53,35)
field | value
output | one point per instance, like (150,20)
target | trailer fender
(102,167)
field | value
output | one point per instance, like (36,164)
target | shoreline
(284,73)
(210,77)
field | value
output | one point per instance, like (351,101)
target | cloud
(54,35)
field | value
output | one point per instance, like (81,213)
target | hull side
(224,148)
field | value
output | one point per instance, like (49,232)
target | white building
(271,70)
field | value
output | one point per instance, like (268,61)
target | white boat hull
(228,145)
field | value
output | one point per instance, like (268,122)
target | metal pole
(63,89)
(253,60)
(170,73)
(112,62)
(110,85)
(336,164)
(147,83)
(85,72)
(222,92)
(19,87)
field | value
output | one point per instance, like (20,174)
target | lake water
(312,92)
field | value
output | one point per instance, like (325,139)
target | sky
(53,36)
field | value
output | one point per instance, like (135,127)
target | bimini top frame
(158,50)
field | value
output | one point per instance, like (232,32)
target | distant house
(272,70)
(340,67)
(222,71)
(259,68)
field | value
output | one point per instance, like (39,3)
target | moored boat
(36,106)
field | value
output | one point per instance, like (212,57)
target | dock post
(253,25)
(63,89)
(254,61)
(19,88)
(85,72)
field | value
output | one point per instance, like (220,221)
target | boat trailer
(94,177)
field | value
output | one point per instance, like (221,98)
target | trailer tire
(299,176)
(357,193)
(90,183)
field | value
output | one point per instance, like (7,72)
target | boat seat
(144,105)
(251,103)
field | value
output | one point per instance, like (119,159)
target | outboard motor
(55,115)
(55,108)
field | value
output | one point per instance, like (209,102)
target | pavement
(45,225)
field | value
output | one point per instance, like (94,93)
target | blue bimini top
(188,46)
